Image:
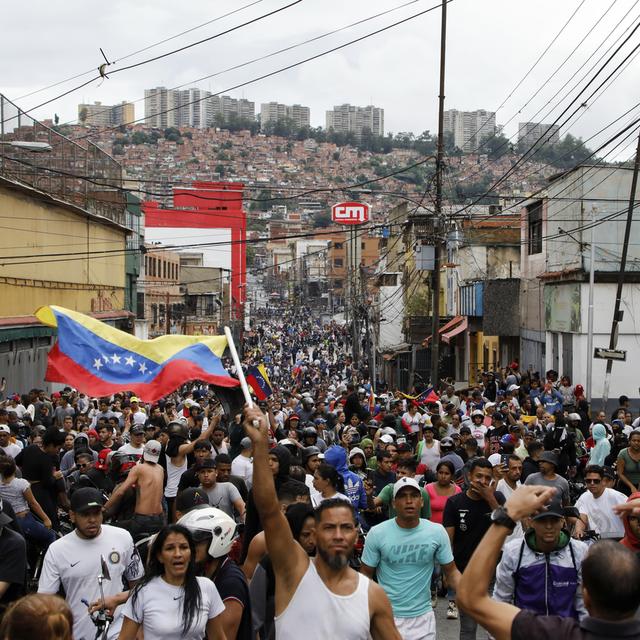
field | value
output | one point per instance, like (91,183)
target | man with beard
(358,606)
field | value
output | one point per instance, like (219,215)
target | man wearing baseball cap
(546,550)
(403,552)
(74,561)
(548,477)
(148,478)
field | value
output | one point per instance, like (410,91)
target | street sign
(610,354)
(350,213)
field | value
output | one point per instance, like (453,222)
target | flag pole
(240,372)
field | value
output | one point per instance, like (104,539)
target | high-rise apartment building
(192,108)
(530,133)
(159,107)
(104,115)
(347,118)
(274,111)
(470,128)
(227,107)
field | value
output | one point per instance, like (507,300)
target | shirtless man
(148,479)
(359,606)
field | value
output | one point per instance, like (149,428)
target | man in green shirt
(406,469)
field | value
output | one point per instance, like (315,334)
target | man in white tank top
(322,596)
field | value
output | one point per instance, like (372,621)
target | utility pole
(617,313)
(437,227)
(590,315)
(167,316)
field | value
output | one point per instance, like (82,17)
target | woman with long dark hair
(328,483)
(171,601)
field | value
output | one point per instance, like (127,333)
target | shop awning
(459,328)
(452,324)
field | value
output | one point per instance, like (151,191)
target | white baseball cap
(151,451)
(495,459)
(405,482)
(387,439)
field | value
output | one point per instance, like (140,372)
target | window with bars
(534,228)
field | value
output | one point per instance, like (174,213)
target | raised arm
(288,558)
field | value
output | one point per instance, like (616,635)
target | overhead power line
(266,56)
(164,55)
(146,48)
(280,70)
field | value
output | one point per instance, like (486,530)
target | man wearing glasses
(596,507)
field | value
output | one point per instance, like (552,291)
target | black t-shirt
(231,583)
(527,625)
(13,565)
(493,438)
(470,519)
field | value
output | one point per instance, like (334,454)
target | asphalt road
(446,629)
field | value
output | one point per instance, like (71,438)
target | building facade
(531,133)
(556,263)
(469,128)
(103,115)
(274,111)
(347,118)
(68,242)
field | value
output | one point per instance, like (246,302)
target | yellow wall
(32,228)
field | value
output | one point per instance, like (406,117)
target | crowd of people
(335,505)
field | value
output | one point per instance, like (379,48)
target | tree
(82,115)
(322,219)
(496,146)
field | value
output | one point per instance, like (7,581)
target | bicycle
(101,618)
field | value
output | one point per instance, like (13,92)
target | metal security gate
(567,355)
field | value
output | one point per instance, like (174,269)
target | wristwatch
(500,517)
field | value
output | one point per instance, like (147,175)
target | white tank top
(322,614)
(173,477)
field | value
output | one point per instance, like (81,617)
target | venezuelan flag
(101,360)
(258,378)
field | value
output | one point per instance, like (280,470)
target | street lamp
(35,147)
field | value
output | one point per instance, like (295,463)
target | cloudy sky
(491,44)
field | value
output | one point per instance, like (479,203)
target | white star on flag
(106,359)
(97,363)
(115,359)
(142,368)
(130,361)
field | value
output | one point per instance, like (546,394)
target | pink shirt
(438,502)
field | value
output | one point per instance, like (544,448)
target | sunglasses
(593,481)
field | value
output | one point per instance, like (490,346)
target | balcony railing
(78,173)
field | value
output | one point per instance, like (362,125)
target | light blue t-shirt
(404,560)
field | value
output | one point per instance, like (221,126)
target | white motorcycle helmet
(214,523)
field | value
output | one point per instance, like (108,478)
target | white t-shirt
(12,449)
(478,432)
(413,421)
(506,491)
(13,493)
(158,609)
(318,499)
(129,450)
(74,563)
(139,417)
(243,468)
(602,519)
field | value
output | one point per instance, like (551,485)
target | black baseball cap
(191,498)
(137,429)
(554,511)
(86,499)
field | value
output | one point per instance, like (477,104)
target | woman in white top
(171,601)
(178,448)
(17,492)
(329,484)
